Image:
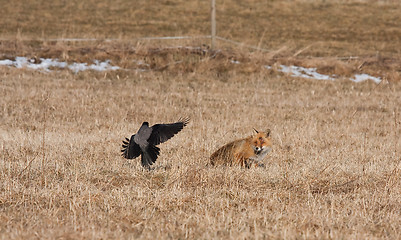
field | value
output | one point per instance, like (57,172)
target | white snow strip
(303,72)
(296,71)
(97,66)
(46,63)
(6,62)
(364,77)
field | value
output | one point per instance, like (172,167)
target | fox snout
(258,150)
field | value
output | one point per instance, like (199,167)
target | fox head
(261,142)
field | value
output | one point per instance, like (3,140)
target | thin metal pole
(213,20)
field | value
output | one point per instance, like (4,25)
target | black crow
(145,140)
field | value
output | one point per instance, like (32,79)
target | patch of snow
(364,77)
(97,66)
(6,62)
(296,71)
(303,72)
(77,67)
(46,63)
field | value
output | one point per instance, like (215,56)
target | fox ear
(268,132)
(256,130)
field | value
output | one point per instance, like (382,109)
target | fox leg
(248,163)
(255,163)
(259,164)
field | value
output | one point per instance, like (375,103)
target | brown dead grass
(318,28)
(334,171)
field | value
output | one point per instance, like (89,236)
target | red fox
(244,152)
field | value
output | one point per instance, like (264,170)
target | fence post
(213,21)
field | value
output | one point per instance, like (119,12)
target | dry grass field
(335,168)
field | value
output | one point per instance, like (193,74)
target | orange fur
(244,152)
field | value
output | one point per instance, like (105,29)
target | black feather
(163,132)
(131,150)
(149,156)
(145,160)
(148,138)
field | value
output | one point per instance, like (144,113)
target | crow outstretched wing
(163,132)
(130,149)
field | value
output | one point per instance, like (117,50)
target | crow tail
(149,156)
